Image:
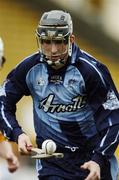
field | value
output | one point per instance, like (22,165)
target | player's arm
(107,145)
(11,92)
(8,99)
(99,91)
(9,124)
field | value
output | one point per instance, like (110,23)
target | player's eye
(55,41)
(46,41)
(58,41)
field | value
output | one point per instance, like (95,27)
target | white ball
(49,146)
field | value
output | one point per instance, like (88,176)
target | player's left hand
(13,163)
(24,144)
(94,169)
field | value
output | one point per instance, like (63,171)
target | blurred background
(97,31)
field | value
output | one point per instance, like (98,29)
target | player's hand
(94,169)
(24,144)
(12,161)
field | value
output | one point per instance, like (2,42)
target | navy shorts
(68,168)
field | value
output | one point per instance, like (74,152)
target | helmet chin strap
(58,63)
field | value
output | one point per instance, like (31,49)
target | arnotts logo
(48,106)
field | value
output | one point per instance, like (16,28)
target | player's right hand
(24,144)
(94,169)
(13,163)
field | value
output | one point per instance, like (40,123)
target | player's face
(54,49)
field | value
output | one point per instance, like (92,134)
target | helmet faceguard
(55,27)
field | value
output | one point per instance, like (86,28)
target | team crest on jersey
(71,82)
(48,104)
(57,79)
(40,82)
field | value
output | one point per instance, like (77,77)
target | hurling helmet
(55,25)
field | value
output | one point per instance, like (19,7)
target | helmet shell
(55,23)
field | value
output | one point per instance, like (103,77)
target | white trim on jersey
(103,140)
(115,140)
(84,52)
(4,118)
(110,121)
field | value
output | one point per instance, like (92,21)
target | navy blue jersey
(71,105)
